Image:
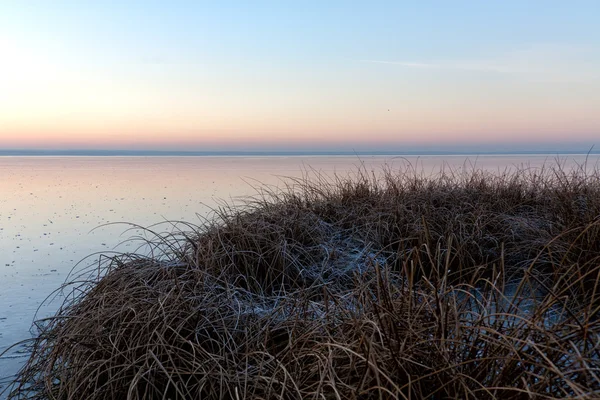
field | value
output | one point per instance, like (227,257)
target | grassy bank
(377,285)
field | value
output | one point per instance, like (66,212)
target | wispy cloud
(537,63)
(404,63)
(447,65)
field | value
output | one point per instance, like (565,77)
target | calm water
(49,207)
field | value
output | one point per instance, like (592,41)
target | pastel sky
(250,75)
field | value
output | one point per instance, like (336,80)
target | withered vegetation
(385,284)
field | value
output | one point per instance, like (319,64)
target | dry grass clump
(387,285)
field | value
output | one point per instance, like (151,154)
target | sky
(295,75)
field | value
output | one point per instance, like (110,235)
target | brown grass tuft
(376,285)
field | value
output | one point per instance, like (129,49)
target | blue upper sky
(260,75)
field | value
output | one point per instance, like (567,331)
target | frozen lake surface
(54,211)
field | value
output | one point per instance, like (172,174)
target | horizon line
(198,153)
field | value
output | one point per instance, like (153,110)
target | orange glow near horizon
(130,115)
(194,135)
